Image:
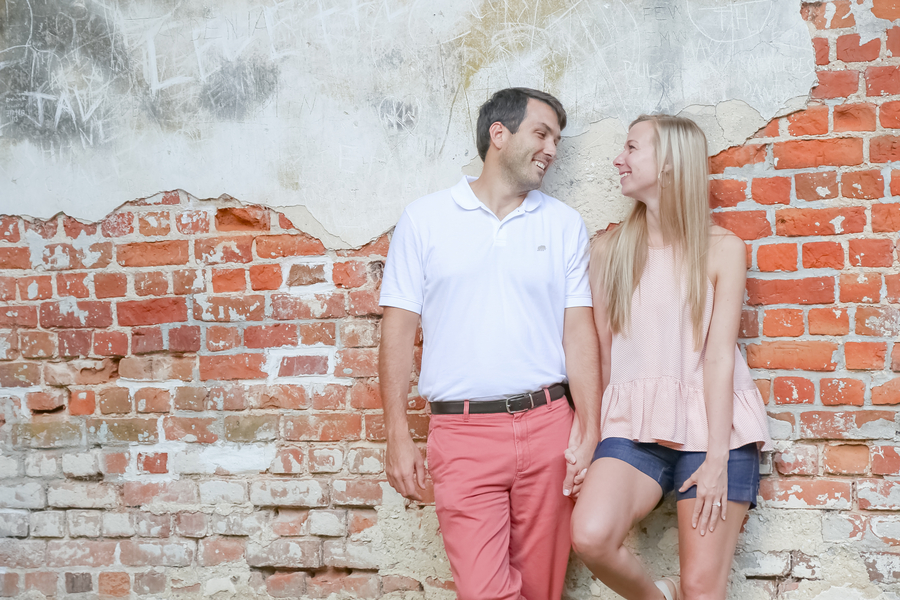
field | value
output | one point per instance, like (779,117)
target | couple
(498,273)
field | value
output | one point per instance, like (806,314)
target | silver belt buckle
(517,397)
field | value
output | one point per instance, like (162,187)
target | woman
(680,410)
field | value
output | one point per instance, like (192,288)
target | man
(498,272)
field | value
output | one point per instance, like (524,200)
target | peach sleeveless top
(656,391)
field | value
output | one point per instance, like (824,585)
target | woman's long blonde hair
(618,258)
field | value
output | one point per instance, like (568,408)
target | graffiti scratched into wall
(348,109)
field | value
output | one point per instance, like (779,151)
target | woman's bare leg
(706,559)
(615,497)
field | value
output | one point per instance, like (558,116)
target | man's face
(530,151)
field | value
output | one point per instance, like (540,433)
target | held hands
(405,468)
(711,479)
(578,458)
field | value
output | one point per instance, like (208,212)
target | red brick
(76,314)
(862,185)
(232,366)
(72,284)
(850,50)
(157,368)
(777,257)
(249,218)
(356,362)
(812,121)
(155,283)
(885,460)
(884,149)
(835,84)
(329,397)
(794,390)
(265,277)
(885,218)
(860,287)
(115,400)
(230,308)
(801,154)
(35,288)
(891,283)
(145,340)
(188,281)
(184,339)
(358,585)
(351,274)
(304,274)
(889,113)
(9,229)
(356,492)
(823,255)
(771,190)
(219,339)
(882,81)
(888,393)
(191,398)
(377,247)
(806,493)
(895,358)
(399,583)
(312,334)
(822,50)
(860,356)
(110,285)
(871,253)
(836,392)
(44,582)
(888,10)
(365,303)
(878,494)
(288,460)
(824,221)
(154,223)
(893,42)
(15,258)
(737,157)
(76,342)
(323,427)
(820,15)
(151,312)
(289,397)
(152,400)
(854,117)
(418,427)
(224,250)
(279,246)
(139,553)
(46,229)
(8,344)
(37,344)
(229,280)
(722,192)
(828,321)
(286,585)
(360,333)
(114,584)
(846,459)
(783,322)
(298,366)
(190,429)
(816,186)
(319,306)
(878,321)
(798,459)
(23,316)
(8,289)
(217,551)
(152,254)
(81,553)
(747,225)
(857,424)
(270,336)
(192,222)
(110,343)
(45,401)
(805,356)
(81,402)
(813,290)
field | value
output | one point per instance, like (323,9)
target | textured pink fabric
(655,393)
(498,494)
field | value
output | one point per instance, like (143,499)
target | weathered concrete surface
(342,113)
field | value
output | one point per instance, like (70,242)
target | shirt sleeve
(578,287)
(403,284)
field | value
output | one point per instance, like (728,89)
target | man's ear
(499,134)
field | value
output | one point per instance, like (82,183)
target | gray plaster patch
(349,111)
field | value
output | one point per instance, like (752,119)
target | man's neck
(497,194)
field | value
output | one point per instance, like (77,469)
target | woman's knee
(700,585)
(594,537)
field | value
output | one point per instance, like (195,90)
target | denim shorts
(671,468)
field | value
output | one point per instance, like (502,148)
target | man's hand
(405,468)
(578,458)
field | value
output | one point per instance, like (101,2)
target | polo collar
(466,199)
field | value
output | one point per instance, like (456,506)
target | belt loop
(465,411)
(547,395)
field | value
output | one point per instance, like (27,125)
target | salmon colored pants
(498,482)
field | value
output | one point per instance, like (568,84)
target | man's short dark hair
(508,106)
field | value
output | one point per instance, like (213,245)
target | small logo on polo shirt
(541,248)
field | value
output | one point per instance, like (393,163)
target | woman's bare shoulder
(726,250)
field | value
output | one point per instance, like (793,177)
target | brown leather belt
(510,404)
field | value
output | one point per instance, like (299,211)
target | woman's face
(637,163)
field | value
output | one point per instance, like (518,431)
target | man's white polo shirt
(492,294)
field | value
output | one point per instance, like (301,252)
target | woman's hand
(711,479)
(578,457)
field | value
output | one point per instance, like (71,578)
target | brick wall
(190,405)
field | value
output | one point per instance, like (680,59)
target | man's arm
(404,465)
(582,349)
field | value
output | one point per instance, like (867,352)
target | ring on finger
(717,504)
